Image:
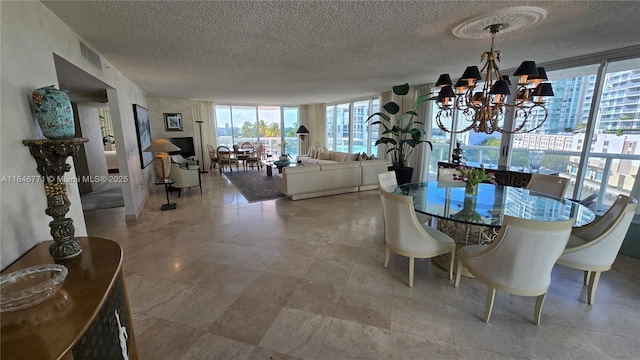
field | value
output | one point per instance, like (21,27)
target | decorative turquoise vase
(54,113)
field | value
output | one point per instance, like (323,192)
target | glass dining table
(479,218)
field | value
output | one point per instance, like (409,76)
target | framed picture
(173,122)
(143,130)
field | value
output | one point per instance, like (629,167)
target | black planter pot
(403,174)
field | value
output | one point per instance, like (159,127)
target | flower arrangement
(472,177)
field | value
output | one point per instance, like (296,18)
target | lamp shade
(527,68)
(445,94)
(471,72)
(542,75)
(506,78)
(302,130)
(543,89)
(444,80)
(500,87)
(161,145)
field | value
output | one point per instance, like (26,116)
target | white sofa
(329,178)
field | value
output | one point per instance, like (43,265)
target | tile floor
(220,278)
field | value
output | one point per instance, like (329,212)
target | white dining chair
(593,248)
(548,184)
(519,261)
(407,237)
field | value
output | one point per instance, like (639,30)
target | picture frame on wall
(143,130)
(172,122)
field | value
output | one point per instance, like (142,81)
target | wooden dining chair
(213,156)
(226,158)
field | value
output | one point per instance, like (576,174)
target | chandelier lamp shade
(161,160)
(484,107)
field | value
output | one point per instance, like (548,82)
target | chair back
(446,174)
(260,152)
(178,159)
(224,154)
(402,230)
(522,255)
(548,184)
(246,145)
(387,181)
(213,154)
(603,236)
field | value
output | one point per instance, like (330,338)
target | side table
(167,183)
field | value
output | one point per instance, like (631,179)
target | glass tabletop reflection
(447,200)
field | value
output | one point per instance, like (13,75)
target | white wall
(93,151)
(31,34)
(159,106)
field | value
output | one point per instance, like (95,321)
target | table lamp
(161,160)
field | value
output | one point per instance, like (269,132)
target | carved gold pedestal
(51,158)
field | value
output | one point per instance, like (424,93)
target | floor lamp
(303,133)
(202,170)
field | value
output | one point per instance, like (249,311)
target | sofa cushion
(336,166)
(325,155)
(340,156)
(300,169)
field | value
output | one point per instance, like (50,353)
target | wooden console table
(84,319)
(505,176)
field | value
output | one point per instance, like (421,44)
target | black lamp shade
(500,87)
(543,89)
(542,75)
(302,130)
(446,92)
(506,78)
(471,72)
(527,68)
(444,80)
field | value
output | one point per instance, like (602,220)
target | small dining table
(467,218)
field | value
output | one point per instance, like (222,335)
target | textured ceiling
(301,52)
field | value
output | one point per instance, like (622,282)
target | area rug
(254,185)
(107,196)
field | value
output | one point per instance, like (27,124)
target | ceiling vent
(90,55)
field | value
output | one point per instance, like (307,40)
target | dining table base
(463,234)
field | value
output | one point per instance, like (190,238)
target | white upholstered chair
(446,175)
(519,261)
(594,247)
(405,236)
(184,178)
(548,184)
(388,181)
(184,163)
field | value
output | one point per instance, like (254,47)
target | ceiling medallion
(514,18)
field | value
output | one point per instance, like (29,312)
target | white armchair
(184,178)
(594,247)
(519,261)
(405,236)
(184,163)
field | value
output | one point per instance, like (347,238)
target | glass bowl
(31,286)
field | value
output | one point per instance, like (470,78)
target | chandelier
(485,109)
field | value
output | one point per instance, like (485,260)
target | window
(258,124)
(348,129)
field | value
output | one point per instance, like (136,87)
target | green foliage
(401,132)
(490,141)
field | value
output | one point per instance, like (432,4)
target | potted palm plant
(402,133)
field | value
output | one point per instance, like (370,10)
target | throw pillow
(325,155)
(364,156)
(372,157)
(354,157)
(314,152)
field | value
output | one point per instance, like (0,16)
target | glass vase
(471,189)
